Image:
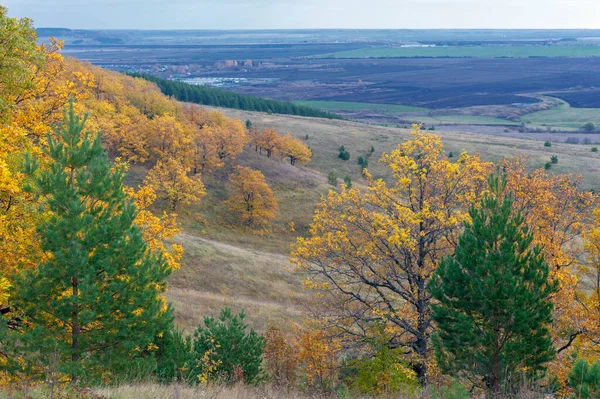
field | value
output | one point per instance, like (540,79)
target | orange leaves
(251,198)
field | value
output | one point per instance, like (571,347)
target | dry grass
(226,265)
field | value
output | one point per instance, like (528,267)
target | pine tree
(95,303)
(493,308)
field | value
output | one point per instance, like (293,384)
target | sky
(309,14)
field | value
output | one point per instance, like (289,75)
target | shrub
(306,137)
(585,380)
(224,349)
(453,391)
(363,162)
(385,373)
(548,144)
(248,124)
(548,165)
(174,357)
(332,179)
(372,150)
(348,182)
(589,127)
(344,155)
(594,149)
(450,154)
(281,358)
(572,140)
(554,159)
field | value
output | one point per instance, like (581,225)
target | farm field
(512,51)
(563,116)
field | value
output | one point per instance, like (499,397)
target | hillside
(250,270)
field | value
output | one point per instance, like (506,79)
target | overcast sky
(297,14)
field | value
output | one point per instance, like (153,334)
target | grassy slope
(563,116)
(470,52)
(251,270)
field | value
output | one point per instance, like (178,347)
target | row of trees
(372,254)
(205,95)
(272,143)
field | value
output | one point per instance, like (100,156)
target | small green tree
(232,350)
(174,358)
(585,380)
(548,144)
(372,150)
(594,149)
(493,295)
(363,162)
(348,182)
(332,179)
(450,154)
(95,302)
(248,124)
(554,159)
(548,165)
(343,155)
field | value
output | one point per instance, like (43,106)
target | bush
(348,182)
(363,162)
(454,391)
(450,154)
(585,380)
(548,165)
(589,127)
(281,358)
(344,155)
(554,159)
(174,357)
(224,350)
(332,179)
(372,150)
(594,149)
(248,124)
(548,144)
(385,373)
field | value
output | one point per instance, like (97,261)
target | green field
(353,106)
(470,52)
(563,116)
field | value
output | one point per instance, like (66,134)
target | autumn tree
(268,140)
(170,180)
(370,253)
(101,286)
(493,308)
(251,198)
(294,149)
(230,134)
(281,357)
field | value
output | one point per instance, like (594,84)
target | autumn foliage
(250,198)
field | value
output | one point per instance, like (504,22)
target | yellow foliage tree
(251,198)
(170,179)
(268,140)
(229,134)
(294,149)
(370,253)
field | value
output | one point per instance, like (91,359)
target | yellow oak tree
(170,179)
(251,198)
(370,254)
(294,149)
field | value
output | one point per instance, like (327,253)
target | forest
(454,277)
(211,96)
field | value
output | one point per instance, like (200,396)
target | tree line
(211,96)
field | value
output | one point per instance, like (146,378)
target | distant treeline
(222,98)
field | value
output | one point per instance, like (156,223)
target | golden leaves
(251,198)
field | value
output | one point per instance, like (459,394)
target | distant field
(354,106)
(471,52)
(416,114)
(563,116)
